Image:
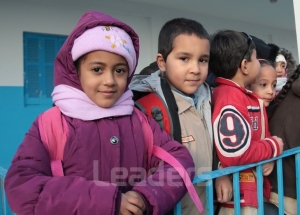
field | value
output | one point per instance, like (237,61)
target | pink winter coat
(102,158)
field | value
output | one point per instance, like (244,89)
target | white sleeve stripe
(274,146)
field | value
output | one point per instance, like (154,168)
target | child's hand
(268,168)
(132,203)
(137,201)
(280,143)
(223,188)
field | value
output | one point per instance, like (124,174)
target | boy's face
(265,84)
(280,69)
(103,77)
(186,67)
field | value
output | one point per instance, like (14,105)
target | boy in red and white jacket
(241,134)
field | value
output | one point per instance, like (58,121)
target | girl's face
(103,77)
(265,84)
(280,69)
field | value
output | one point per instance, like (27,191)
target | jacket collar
(183,102)
(224,81)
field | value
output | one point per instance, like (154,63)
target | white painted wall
(296,4)
(18,16)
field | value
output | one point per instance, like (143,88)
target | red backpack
(153,106)
(53,129)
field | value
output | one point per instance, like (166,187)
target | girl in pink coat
(105,151)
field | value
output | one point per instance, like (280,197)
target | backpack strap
(166,157)
(148,137)
(54,133)
(172,108)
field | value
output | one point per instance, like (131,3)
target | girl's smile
(103,77)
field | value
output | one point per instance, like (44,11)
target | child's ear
(244,67)
(161,62)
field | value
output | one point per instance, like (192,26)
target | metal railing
(4,208)
(234,170)
(208,179)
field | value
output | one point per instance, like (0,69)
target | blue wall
(15,121)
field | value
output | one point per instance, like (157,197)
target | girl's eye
(203,60)
(274,85)
(97,69)
(263,85)
(121,71)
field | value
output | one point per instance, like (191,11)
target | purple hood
(64,69)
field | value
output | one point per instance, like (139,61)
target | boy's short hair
(227,51)
(175,27)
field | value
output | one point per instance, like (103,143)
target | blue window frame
(40,51)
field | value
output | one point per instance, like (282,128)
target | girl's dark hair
(148,70)
(264,62)
(78,62)
(283,92)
